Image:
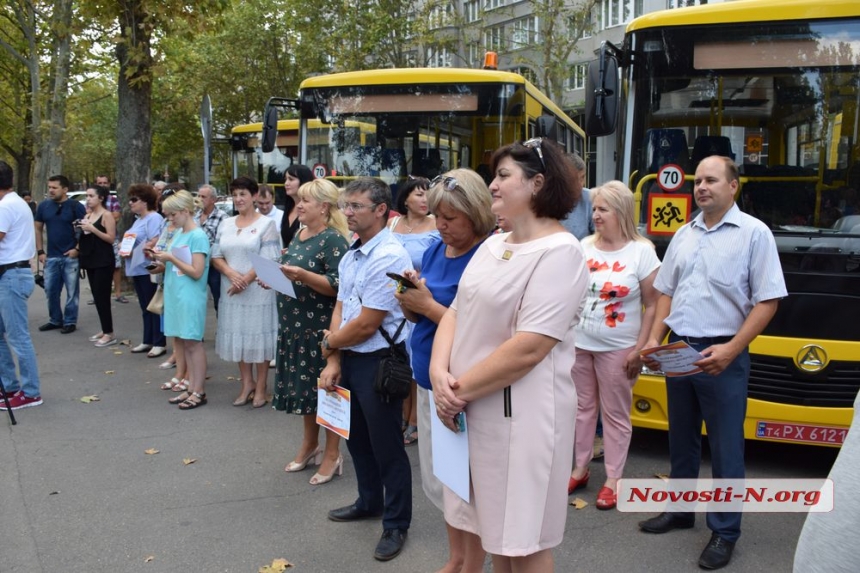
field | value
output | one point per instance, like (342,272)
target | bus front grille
(778,380)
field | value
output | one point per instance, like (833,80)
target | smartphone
(151,266)
(401,280)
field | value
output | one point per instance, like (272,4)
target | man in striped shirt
(720,284)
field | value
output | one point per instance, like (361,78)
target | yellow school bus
(774,84)
(418,122)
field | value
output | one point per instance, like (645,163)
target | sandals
(240,401)
(194,400)
(180,399)
(174,382)
(181,386)
(410,435)
(121,299)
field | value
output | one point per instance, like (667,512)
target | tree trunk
(133,128)
(61,52)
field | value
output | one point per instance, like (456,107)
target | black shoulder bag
(394,374)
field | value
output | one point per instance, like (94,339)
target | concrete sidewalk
(79,494)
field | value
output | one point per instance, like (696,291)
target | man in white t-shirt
(265,202)
(17,247)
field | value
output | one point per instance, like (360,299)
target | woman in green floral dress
(311,263)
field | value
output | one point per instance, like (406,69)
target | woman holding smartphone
(185,281)
(95,247)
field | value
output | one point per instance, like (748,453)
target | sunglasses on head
(535,143)
(448,183)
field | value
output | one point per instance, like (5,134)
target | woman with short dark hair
(247,320)
(143,202)
(502,354)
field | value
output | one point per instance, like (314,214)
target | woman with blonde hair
(616,321)
(461,201)
(311,262)
(186,270)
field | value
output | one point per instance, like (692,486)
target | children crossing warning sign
(667,213)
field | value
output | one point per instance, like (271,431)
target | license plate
(800,433)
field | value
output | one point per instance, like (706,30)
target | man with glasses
(17,244)
(209,218)
(60,216)
(354,347)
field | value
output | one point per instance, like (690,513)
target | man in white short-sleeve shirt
(17,247)
(354,347)
(720,285)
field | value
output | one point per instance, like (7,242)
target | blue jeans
(152,332)
(16,286)
(60,271)
(215,286)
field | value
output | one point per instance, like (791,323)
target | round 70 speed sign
(670,177)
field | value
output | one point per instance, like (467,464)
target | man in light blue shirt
(579,221)
(354,347)
(720,285)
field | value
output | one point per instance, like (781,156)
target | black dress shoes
(666,522)
(351,513)
(49,326)
(717,554)
(68,329)
(390,544)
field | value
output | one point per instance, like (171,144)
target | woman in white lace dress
(247,320)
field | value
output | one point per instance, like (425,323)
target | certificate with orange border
(675,359)
(333,410)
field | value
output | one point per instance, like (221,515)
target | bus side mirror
(270,128)
(601,95)
(545,127)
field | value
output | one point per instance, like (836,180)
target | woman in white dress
(247,320)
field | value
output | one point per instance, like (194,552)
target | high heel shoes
(315,455)
(319,479)
(240,401)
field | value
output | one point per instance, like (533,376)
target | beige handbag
(156,305)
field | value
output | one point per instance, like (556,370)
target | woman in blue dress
(185,282)
(416,230)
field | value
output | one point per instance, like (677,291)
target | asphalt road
(80,495)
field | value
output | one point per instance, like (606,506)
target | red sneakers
(18,401)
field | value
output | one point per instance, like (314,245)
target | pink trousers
(600,379)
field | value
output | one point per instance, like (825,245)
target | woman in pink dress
(503,353)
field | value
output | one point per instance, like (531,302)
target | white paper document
(675,359)
(182,253)
(333,410)
(450,455)
(127,244)
(270,273)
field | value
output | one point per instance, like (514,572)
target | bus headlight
(643,406)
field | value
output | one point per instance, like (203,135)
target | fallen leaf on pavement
(110,372)
(578,503)
(127,342)
(88,399)
(189,461)
(277,566)
(231,377)
(148,559)
(117,352)
(663,477)
(150,451)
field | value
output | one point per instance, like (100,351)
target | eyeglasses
(133,199)
(534,143)
(448,183)
(355,207)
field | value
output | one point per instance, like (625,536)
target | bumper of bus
(812,425)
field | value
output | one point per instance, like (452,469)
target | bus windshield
(780,98)
(394,130)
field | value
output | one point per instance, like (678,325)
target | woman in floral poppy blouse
(619,309)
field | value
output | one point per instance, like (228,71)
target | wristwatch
(325,344)
(39,252)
